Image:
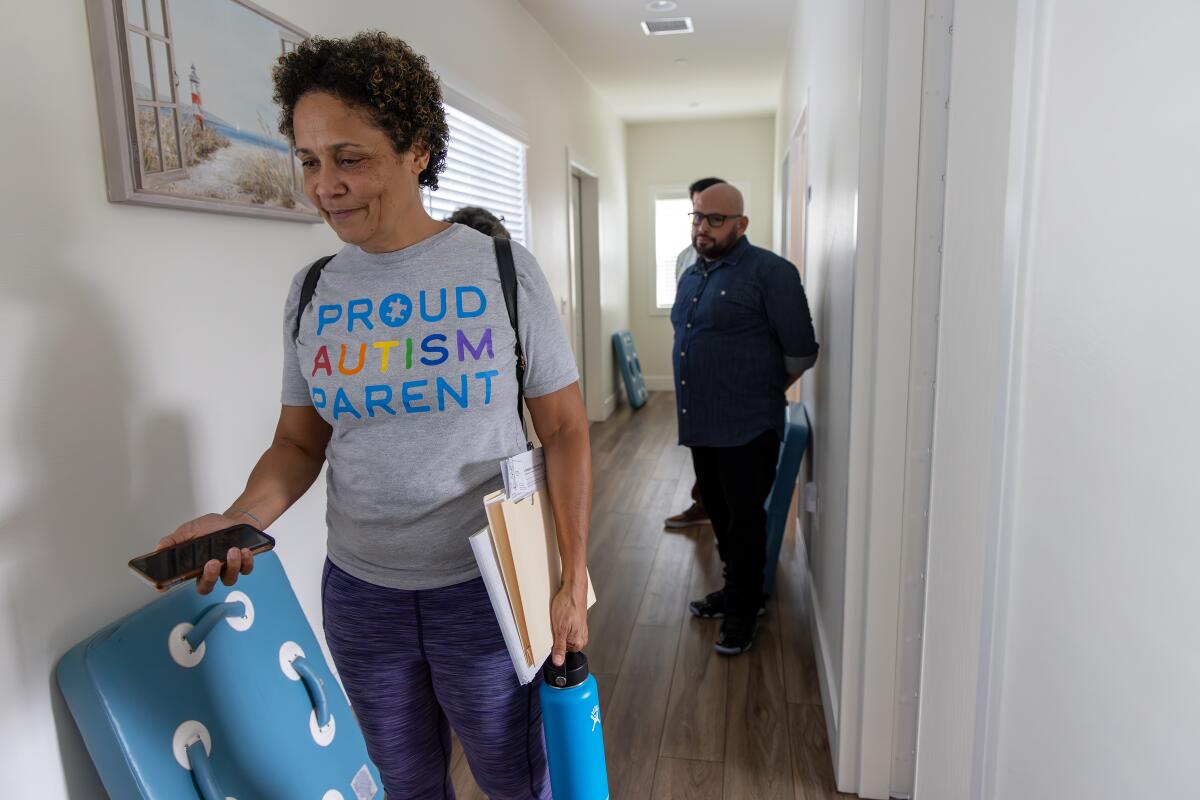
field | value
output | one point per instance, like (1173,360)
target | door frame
(584,299)
(1002,58)
(860,706)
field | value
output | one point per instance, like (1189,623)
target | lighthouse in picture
(195,81)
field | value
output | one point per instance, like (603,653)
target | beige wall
(142,345)
(672,155)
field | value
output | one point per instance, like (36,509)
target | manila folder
(533,543)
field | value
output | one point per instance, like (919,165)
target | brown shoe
(695,515)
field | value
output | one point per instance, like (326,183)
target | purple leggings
(415,663)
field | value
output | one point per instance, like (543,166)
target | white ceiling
(735,58)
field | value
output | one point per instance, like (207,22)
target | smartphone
(182,562)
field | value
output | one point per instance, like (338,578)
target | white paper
(489,569)
(523,473)
(364,785)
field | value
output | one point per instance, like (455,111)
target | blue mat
(250,712)
(779,501)
(631,368)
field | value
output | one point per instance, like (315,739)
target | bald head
(723,203)
(722,198)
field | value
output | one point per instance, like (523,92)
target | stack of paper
(518,558)
(489,568)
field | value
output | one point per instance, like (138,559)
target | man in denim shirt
(743,334)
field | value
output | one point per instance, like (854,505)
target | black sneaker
(713,606)
(737,635)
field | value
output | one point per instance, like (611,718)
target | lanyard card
(523,473)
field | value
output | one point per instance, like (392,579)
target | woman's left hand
(568,622)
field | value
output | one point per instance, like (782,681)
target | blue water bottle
(574,740)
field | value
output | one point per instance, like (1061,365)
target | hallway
(679,720)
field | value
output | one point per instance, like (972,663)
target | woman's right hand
(237,561)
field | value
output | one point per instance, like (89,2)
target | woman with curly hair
(401,376)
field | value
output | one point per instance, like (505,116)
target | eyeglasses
(714,220)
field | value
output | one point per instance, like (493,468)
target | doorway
(577,310)
(583,295)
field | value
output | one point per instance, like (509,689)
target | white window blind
(484,167)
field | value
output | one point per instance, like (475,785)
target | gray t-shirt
(410,357)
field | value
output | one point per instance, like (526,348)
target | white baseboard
(660,383)
(610,406)
(825,672)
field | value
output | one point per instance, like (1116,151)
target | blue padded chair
(631,368)
(791,453)
(216,697)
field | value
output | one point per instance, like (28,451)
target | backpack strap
(508,284)
(307,290)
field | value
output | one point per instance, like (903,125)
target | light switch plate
(810,497)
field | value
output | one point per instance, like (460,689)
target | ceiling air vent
(667,26)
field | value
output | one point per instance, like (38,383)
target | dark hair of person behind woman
(481,220)
(379,75)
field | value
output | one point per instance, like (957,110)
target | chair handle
(211,616)
(202,772)
(315,687)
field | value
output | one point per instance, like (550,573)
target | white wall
(824,71)
(142,375)
(856,73)
(1063,533)
(674,154)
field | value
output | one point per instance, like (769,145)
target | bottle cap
(573,672)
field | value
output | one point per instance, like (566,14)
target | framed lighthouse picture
(187,118)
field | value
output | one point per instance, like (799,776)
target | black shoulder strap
(307,290)
(508,283)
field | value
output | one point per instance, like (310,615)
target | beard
(713,248)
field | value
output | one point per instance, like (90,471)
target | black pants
(734,484)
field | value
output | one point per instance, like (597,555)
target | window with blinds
(484,167)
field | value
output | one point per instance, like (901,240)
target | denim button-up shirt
(739,321)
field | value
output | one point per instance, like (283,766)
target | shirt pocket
(739,307)
(685,290)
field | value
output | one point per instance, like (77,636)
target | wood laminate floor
(680,721)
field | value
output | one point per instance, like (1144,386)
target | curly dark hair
(481,220)
(378,74)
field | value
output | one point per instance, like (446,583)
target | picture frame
(186,116)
